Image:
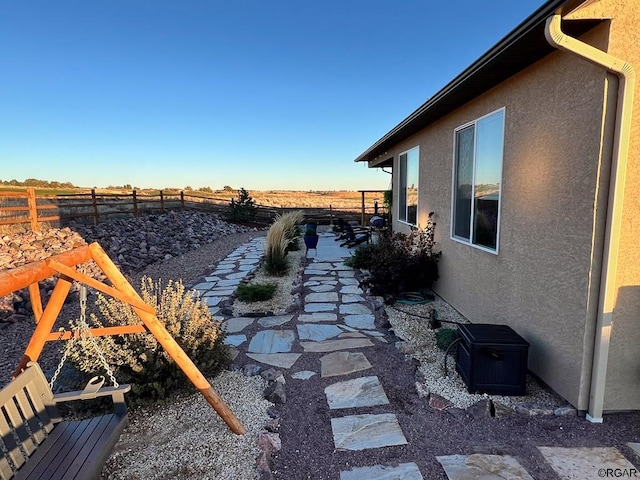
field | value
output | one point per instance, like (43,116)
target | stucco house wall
(623,373)
(544,280)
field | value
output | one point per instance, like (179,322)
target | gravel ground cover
(287,294)
(409,324)
(183,438)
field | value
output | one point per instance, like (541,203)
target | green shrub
(139,359)
(400,263)
(243,209)
(445,337)
(363,256)
(257,292)
(275,252)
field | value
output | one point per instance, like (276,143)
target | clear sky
(246,93)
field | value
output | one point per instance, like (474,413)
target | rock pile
(132,243)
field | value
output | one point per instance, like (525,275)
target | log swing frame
(63,266)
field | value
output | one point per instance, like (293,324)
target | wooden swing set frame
(63,266)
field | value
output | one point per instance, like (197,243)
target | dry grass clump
(290,222)
(275,251)
(282,237)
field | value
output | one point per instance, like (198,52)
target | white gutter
(606,300)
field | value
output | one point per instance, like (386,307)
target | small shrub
(275,252)
(445,337)
(243,209)
(363,256)
(400,263)
(139,359)
(258,292)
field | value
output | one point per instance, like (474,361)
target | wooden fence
(19,208)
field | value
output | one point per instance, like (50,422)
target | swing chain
(62,360)
(85,333)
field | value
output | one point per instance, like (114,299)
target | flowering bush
(139,359)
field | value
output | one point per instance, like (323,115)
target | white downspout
(606,300)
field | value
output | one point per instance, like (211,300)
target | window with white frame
(408,186)
(477,178)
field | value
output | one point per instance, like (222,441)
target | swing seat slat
(37,444)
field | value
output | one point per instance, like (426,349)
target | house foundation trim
(606,301)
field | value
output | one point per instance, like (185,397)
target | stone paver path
(337,325)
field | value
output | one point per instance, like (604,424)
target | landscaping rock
(263,466)
(406,348)
(275,393)
(273,425)
(533,409)
(273,375)
(439,403)
(501,410)
(269,443)
(481,409)
(565,411)
(132,243)
(423,391)
(251,370)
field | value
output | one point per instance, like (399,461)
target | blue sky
(246,93)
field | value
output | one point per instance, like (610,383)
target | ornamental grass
(275,251)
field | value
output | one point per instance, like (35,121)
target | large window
(477,177)
(408,186)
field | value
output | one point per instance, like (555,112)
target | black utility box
(492,359)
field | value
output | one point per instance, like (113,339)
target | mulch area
(307,443)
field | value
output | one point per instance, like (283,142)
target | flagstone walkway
(334,339)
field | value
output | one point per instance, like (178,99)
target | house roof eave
(524,46)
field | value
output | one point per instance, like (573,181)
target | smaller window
(477,181)
(408,186)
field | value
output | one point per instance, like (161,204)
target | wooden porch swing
(29,396)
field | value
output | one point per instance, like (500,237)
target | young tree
(242,209)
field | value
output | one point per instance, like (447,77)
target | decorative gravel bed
(185,439)
(287,295)
(408,324)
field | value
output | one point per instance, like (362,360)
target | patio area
(351,408)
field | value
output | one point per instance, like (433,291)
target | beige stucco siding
(539,283)
(623,373)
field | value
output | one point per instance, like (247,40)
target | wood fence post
(94,202)
(182,199)
(33,208)
(331,214)
(362,222)
(161,201)
(135,203)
